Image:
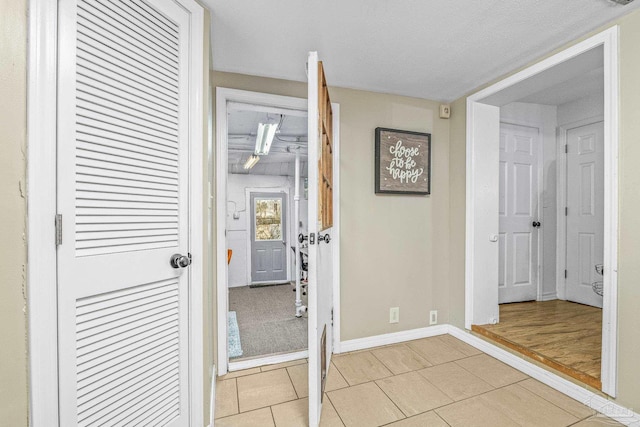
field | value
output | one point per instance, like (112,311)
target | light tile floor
(438,381)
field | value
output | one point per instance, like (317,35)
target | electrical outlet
(394,315)
(433,317)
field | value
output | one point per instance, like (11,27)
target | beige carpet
(266,320)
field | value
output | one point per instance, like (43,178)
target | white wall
(580,109)
(237,229)
(544,118)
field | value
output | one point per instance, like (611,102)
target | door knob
(536,224)
(326,238)
(302,238)
(180,261)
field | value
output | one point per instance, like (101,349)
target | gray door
(268,234)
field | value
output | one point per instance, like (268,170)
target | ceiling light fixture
(251,161)
(264,138)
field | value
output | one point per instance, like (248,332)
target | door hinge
(566,211)
(566,148)
(58,222)
(312,238)
(565,274)
(332,317)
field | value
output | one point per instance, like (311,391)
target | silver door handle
(326,238)
(180,261)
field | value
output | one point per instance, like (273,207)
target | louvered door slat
(152,338)
(103,372)
(128,123)
(108,389)
(145,114)
(121,84)
(131,33)
(104,140)
(155,18)
(88,31)
(94,160)
(128,191)
(94,144)
(145,387)
(128,16)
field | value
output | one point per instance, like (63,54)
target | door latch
(311,238)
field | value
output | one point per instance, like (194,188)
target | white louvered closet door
(123,193)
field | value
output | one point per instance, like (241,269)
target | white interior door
(320,272)
(519,214)
(585,212)
(482,214)
(123,193)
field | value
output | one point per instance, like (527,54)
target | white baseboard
(269,360)
(593,400)
(549,296)
(392,338)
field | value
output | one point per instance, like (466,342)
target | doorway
(568,238)
(266,171)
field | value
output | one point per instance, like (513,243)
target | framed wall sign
(403,162)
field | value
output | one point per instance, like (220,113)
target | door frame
(561,192)
(223,97)
(474,290)
(41,266)
(539,176)
(287,230)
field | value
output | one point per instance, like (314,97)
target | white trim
(469,253)
(575,391)
(223,96)
(268,360)
(561,201)
(609,39)
(393,338)
(196,211)
(286,225)
(335,108)
(609,374)
(41,208)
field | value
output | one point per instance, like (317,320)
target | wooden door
(320,233)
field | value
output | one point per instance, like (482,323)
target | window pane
(268,219)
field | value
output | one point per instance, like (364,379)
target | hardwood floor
(563,335)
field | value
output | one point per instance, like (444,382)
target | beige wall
(394,249)
(13,250)
(629,205)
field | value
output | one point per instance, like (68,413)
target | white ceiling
(434,49)
(242,125)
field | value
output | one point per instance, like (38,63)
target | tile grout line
(237,395)
(391,400)
(383,364)
(273,418)
(556,405)
(339,373)
(291,381)
(334,408)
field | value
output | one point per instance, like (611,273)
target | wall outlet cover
(433,317)
(394,315)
